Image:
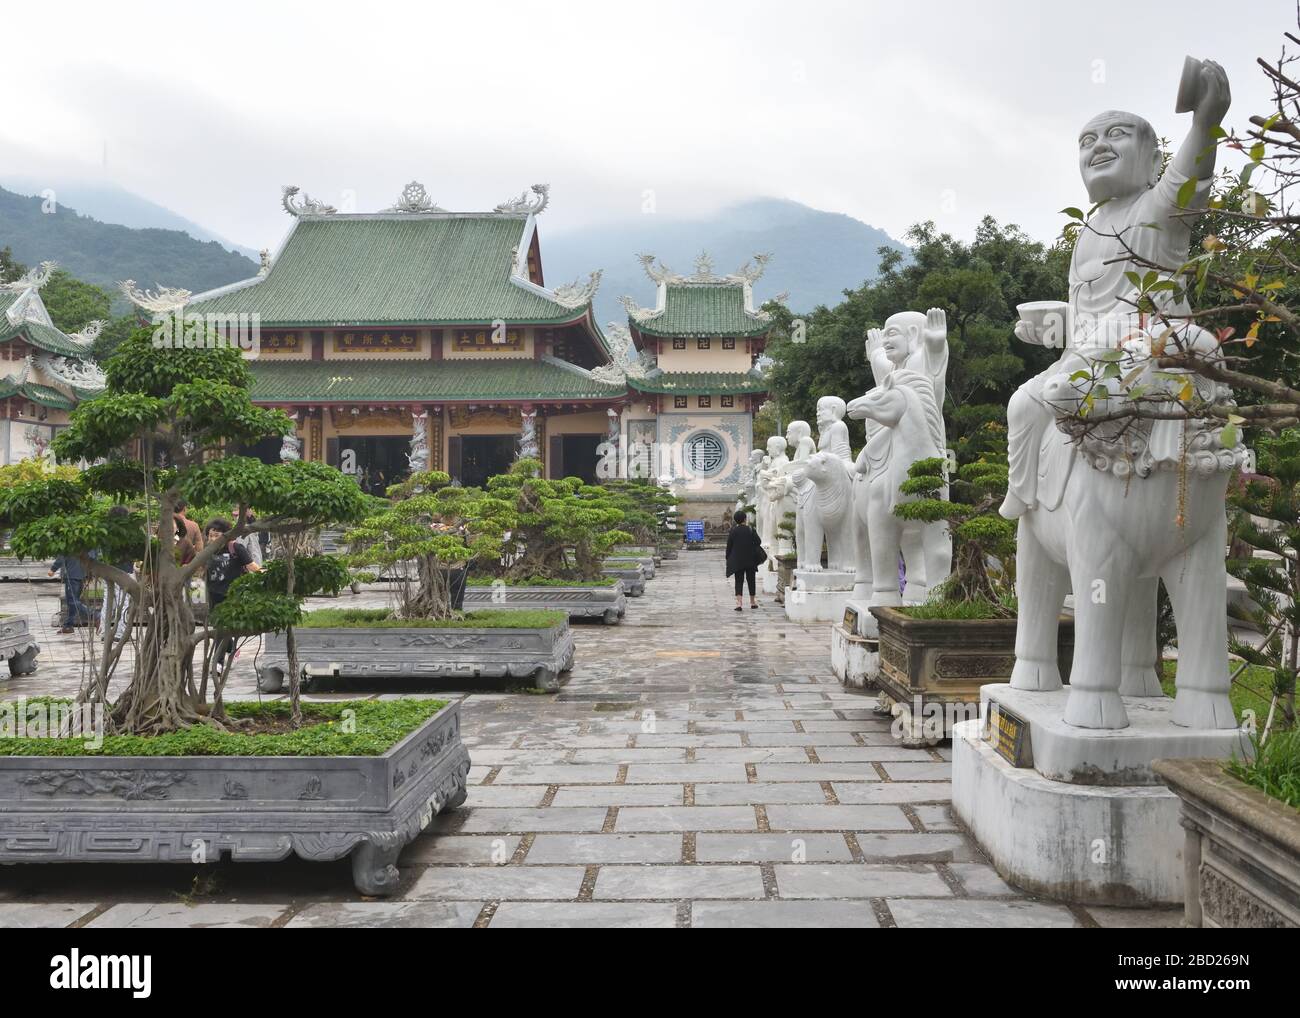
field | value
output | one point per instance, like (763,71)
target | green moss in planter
(542,581)
(375,725)
(381,618)
(959,610)
(1275,769)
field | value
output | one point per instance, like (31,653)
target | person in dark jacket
(744,555)
(76,613)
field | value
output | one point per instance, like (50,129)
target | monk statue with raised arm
(1139,224)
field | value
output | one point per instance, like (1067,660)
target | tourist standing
(744,555)
(75,613)
(227,565)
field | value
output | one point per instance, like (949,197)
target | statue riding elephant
(1122,504)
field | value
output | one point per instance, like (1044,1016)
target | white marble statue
(830,514)
(1147,502)
(775,492)
(749,480)
(918,342)
(832,432)
(798,436)
(904,424)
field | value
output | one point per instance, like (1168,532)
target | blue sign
(695,530)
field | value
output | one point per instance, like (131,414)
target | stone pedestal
(768,579)
(1084,818)
(855,660)
(818,596)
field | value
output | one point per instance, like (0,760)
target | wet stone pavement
(700,768)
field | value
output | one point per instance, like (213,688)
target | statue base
(855,660)
(767,579)
(1076,814)
(1106,756)
(818,596)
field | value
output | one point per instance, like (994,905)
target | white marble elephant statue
(1120,506)
(830,514)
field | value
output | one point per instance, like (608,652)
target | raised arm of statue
(1210,97)
(934,343)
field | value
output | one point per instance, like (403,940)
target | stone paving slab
(584,915)
(776,915)
(699,768)
(180,916)
(438,915)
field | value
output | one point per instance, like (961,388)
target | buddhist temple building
(44,372)
(416,336)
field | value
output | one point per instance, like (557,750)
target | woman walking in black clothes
(744,555)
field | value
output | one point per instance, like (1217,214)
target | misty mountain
(815,255)
(104,253)
(110,203)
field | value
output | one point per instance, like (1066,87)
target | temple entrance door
(375,461)
(484,456)
(579,456)
(267,450)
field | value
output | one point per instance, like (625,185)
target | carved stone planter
(250,808)
(633,578)
(581,602)
(419,652)
(944,662)
(17,645)
(641,552)
(623,560)
(1241,855)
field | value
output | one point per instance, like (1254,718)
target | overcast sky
(889,112)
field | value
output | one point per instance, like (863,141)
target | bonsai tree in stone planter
(559,529)
(430,530)
(976,588)
(157,435)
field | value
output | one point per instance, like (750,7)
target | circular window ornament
(705,454)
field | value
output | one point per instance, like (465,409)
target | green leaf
(1186,191)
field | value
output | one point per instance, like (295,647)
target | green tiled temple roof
(697,309)
(42,394)
(700,383)
(376,270)
(365,381)
(45,337)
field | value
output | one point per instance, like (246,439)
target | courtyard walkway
(700,768)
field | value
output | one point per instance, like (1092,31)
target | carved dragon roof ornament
(577,294)
(752,270)
(265,267)
(81,374)
(660,273)
(628,362)
(306,205)
(89,332)
(32,279)
(523,205)
(161,301)
(635,310)
(415,199)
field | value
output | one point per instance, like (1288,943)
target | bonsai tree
(429,528)
(1269,522)
(157,435)
(979,535)
(649,511)
(559,529)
